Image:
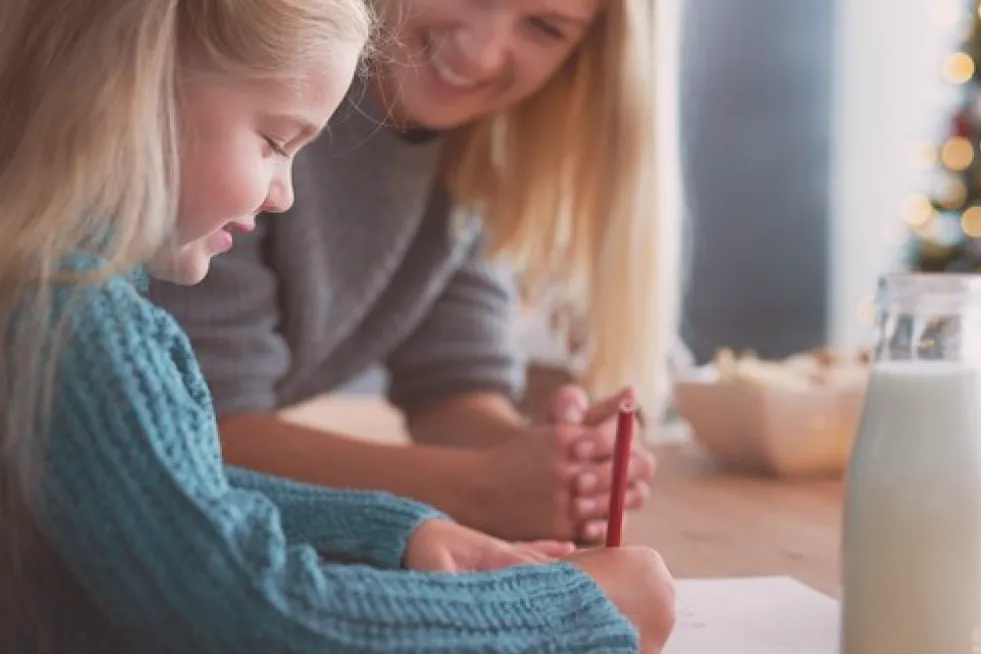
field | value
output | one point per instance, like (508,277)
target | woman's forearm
(473,420)
(442,477)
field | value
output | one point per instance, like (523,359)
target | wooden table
(710,524)
(704,522)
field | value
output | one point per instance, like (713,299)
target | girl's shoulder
(111,317)
(114,336)
(87,297)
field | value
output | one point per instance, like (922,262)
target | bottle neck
(928,317)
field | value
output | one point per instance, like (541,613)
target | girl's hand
(443,546)
(640,585)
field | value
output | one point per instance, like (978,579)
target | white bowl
(772,430)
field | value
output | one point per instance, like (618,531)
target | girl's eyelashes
(546,28)
(277,147)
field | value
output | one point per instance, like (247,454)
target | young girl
(537,116)
(152,132)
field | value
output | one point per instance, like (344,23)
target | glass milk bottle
(911,568)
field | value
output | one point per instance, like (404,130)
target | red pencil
(621,457)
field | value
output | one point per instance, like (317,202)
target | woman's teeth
(450,76)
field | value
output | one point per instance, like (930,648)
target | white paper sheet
(756,615)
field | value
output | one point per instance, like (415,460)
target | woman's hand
(593,454)
(553,479)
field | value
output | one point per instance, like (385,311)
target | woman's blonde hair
(89,123)
(567,185)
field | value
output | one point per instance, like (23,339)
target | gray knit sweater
(367,267)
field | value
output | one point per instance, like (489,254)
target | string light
(930,228)
(971,222)
(917,210)
(958,68)
(955,194)
(957,153)
(938,233)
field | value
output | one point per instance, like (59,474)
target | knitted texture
(368,267)
(181,554)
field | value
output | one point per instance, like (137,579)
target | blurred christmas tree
(946,223)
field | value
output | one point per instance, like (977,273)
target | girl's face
(454,61)
(238,140)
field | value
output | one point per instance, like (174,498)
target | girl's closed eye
(276,146)
(546,28)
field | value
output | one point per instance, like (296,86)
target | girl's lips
(241,227)
(224,241)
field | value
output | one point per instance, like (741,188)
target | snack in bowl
(787,417)
(813,369)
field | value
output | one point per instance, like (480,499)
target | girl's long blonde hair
(89,122)
(567,185)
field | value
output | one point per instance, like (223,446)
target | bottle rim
(929,291)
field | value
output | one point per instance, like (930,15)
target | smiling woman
(458,62)
(518,129)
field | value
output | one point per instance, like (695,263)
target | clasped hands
(553,479)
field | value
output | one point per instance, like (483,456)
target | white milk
(912,530)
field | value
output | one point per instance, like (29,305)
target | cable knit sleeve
(366,526)
(138,505)
(467,343)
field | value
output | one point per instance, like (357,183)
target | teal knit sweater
(183,554)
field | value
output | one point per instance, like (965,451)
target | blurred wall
(890,98)
(755,83)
